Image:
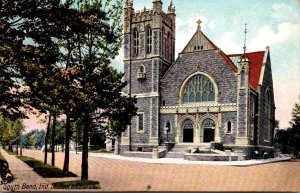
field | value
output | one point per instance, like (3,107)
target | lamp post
(76,140)
(167,130)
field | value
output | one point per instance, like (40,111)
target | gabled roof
(256,63)
(200,42)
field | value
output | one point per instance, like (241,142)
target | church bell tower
(149,51)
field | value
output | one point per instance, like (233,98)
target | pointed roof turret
(128,3)
(171,8)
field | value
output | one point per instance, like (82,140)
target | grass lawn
(79,184)
(100,151)
(45,170)
(10,152)
(2,160)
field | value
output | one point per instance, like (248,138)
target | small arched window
(198,89)
(229,130)
(142,69)
(136,42)
(149,40)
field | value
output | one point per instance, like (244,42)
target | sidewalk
(25,179)
(183,161)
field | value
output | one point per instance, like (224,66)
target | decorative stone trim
(199,108)
(146,95)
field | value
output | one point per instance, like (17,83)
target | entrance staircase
(178,151)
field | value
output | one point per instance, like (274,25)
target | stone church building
(203,97)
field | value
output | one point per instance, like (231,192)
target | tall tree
(99,85)
(295,121)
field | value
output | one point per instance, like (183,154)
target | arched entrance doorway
(208,127)
(188,131)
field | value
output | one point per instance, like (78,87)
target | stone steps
(180,150)
(174,155)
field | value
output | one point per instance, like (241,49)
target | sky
(274,23)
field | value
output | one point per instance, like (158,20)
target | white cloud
(265,36)
(212,25)
(285,12)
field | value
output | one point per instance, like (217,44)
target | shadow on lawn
(45,170)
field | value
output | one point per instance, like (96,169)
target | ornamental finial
(245,39)
(199,24)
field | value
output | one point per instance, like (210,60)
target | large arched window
(136,42)
(198,89)
(149,40)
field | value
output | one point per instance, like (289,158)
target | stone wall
(226,137)
(262,121)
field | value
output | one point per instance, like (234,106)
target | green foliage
(289,140)
(5,174)
(100,151)
(295,116)
(34,138)
(2,159)
(10,131)
(62,55)
(276,123)
(45,170)
(10,152)
(79,184)
(60,132)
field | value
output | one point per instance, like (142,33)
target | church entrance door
(188,131)
(208,127)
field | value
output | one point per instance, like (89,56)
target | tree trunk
(17,147)
(53,141)
(85,149)
(46,140)
(117,145)
(67,147)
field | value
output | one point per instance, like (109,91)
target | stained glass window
(208,123)
(140,122)
(188,124)
(198,89)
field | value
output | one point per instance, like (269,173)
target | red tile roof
(256,62)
